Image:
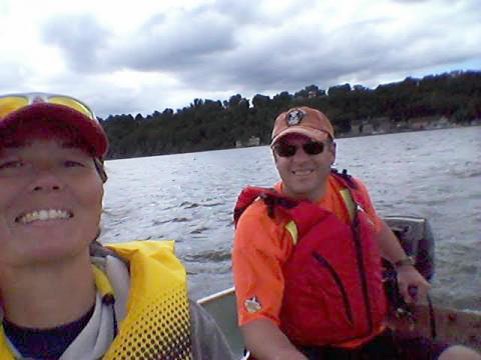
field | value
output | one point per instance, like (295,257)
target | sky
(129,57)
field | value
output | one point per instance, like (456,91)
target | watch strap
(408,260)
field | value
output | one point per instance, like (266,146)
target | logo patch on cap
(294,117)
(252,305)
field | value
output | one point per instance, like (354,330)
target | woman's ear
(274,156)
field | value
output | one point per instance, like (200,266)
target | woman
(63,295)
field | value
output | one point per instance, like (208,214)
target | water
(190,197)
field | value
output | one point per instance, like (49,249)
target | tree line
(209,125)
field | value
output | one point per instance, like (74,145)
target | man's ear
(332,149)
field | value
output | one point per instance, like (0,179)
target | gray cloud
(254,12)
(246,47)
(290,59)
(81,39)
(240,12)
(175,42)
(13,75)
(410,1)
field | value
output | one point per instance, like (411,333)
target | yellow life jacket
(157,324)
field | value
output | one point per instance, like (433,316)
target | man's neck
(314,197)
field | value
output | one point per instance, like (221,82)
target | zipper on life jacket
(337,279)
(361,267)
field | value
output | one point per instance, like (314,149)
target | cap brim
(314,134)
(91,131)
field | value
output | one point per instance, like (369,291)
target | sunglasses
(287,150)
(14,102)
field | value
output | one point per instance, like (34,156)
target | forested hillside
(208,124)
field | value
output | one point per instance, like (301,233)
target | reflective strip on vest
(349,202)
(102,283)
(291,227)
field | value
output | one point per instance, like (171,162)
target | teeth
(302,172)
(43,215)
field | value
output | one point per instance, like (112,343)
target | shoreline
(457,126)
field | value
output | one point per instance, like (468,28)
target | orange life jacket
(333,280)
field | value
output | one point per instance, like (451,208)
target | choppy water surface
(189,198)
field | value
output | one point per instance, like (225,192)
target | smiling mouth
(43,215)
(302,172)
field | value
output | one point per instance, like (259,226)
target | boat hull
(452,326)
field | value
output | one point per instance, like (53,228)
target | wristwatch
(408,260)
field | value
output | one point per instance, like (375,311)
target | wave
(208,256)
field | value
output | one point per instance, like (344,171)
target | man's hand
(412,285)
(409,279)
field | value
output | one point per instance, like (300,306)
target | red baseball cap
(305,121)
(17,110)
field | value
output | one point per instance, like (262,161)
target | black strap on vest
(270,197)
(346,177)
(272,202)
(96,249)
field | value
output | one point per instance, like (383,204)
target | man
(307,256)
(62,294)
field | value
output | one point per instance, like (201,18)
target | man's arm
(261,247)
(408,276)
(265,340)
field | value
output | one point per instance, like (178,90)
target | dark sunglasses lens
(313,148)
(285,150)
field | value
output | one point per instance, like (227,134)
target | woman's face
(50,202)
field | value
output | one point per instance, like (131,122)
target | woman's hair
(99,165)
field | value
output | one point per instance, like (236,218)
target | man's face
(50,202)
(304,176)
